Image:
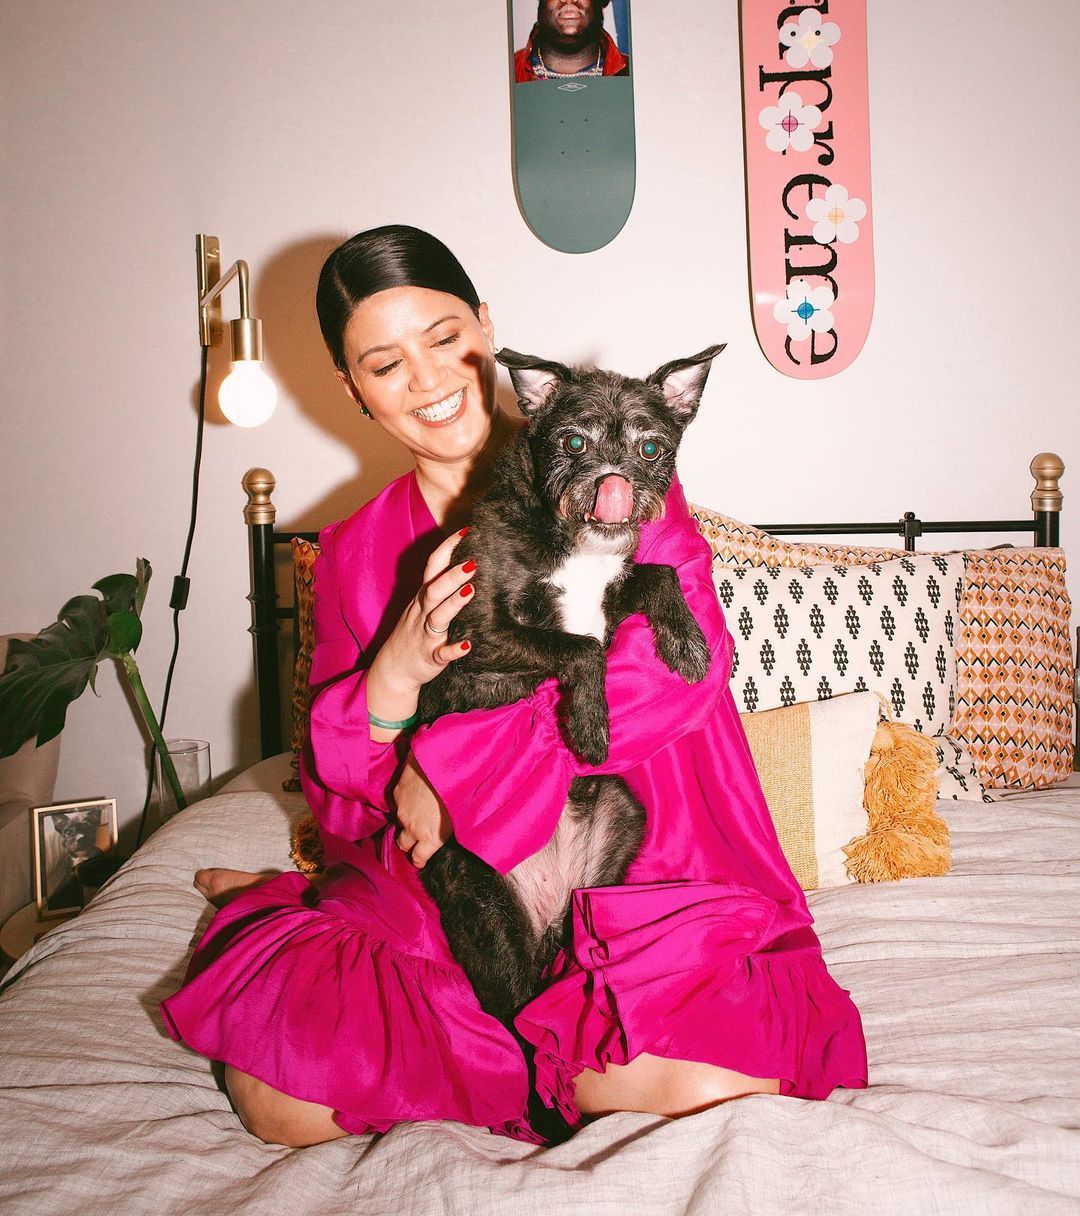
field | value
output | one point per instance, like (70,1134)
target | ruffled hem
(304,999)
(713,972)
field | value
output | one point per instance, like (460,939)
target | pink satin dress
(350,996)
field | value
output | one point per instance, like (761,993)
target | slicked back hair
(395,255)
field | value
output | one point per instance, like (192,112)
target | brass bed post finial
(1047,469)
(258,486)
(1046,498)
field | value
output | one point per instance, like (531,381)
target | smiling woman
(341,1007)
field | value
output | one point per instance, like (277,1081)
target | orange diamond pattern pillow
(1014,661)
(1015,667)
(738,544)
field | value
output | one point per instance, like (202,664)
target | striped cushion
(810,759)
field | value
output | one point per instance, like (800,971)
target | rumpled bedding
(968,985)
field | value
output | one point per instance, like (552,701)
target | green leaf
(125,633)
(43,676)
(119,591)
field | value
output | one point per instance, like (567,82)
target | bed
(968,984)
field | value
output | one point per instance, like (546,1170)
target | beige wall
(282,128)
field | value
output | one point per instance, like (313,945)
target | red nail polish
(469,567)
(466,591)
(465,646)
(464,532)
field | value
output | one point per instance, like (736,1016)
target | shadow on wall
(297,358)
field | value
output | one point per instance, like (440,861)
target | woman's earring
(365,411)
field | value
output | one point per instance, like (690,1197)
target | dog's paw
(589,732)
(687,653)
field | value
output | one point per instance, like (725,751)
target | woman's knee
(277,1118)
(661,1086)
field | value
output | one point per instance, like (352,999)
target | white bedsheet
(969,986)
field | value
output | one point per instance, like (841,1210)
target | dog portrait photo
(66,836)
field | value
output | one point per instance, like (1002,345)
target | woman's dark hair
(393,256)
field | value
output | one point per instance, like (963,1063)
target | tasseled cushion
(906,839)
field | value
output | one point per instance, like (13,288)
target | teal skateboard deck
(573,119)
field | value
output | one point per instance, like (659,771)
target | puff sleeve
(345,776)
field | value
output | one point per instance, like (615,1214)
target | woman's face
(423,364)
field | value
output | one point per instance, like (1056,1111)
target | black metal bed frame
(263,540)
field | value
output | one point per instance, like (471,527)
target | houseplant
(45,674)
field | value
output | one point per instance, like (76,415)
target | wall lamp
(247,395)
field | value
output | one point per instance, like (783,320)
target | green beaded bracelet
(392,725)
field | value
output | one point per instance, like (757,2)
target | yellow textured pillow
(906,838)
(852,800)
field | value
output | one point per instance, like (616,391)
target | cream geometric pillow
(809,633)
(957,776)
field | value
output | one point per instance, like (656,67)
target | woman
(340,1008)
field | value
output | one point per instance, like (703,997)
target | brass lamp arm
(239,271)
(246,331)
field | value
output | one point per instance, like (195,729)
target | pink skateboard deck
(809,218)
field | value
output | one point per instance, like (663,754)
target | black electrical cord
(181,584)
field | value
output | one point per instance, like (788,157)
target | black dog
(554,539)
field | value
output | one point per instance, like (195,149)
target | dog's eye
(649,449)
(574,444)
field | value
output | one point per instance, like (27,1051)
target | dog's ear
(533,379)
(683,380)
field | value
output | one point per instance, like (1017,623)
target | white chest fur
(580,583)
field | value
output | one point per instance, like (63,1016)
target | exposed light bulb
(247,395)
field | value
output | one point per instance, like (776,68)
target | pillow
(737,544)
(906,839)
(304,553)
(1015,668)
(808,633)
(810,759)
(957,776)
(1013,657)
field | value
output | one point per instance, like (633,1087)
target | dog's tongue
(614,500)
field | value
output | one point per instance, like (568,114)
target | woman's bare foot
(219,885)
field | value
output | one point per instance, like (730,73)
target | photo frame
(66,836)
(596,30)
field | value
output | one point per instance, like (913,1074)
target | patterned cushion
(957,776)
(807,633)
(737,544)
(1014,661)
(810,760)
(304,553)
(1015,688)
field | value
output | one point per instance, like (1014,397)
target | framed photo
(66,836)
(570,38)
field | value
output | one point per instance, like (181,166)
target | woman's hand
(425,825)
(417,650)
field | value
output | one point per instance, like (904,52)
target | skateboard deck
(573,134)
(809,216)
